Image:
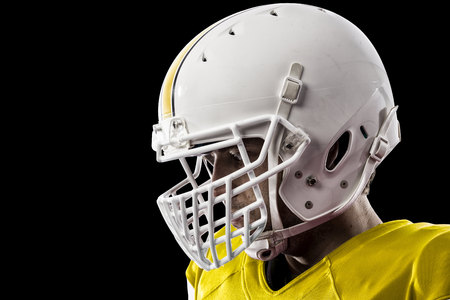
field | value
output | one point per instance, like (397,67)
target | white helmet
(304,80)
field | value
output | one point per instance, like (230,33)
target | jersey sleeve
(431,278)
(193,273)
(190,291)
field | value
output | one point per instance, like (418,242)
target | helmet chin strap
(271,243)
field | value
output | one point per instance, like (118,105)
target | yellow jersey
(394,260)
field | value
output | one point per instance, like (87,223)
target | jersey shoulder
(395,259)
(431,267)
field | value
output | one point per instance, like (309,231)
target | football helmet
(309,84)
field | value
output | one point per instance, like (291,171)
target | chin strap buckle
(291,91)
(266,249)
(388,137)
(379,149)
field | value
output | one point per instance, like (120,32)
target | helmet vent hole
(231,32)
(204,59)
(338,151)
(363,131)
(274,13)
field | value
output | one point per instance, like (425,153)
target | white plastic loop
(379,148)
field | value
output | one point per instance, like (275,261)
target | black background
(121,244)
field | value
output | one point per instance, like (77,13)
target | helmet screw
(311,180)
(309,204)
(298,174)
(344,184)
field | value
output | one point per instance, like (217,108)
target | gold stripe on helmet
(166,96)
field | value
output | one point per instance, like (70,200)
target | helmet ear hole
(337,151)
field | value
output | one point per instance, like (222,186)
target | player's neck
(308,248)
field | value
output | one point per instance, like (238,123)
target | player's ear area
(337,151)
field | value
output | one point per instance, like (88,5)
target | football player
(280,115)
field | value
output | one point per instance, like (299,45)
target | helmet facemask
(199,207)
